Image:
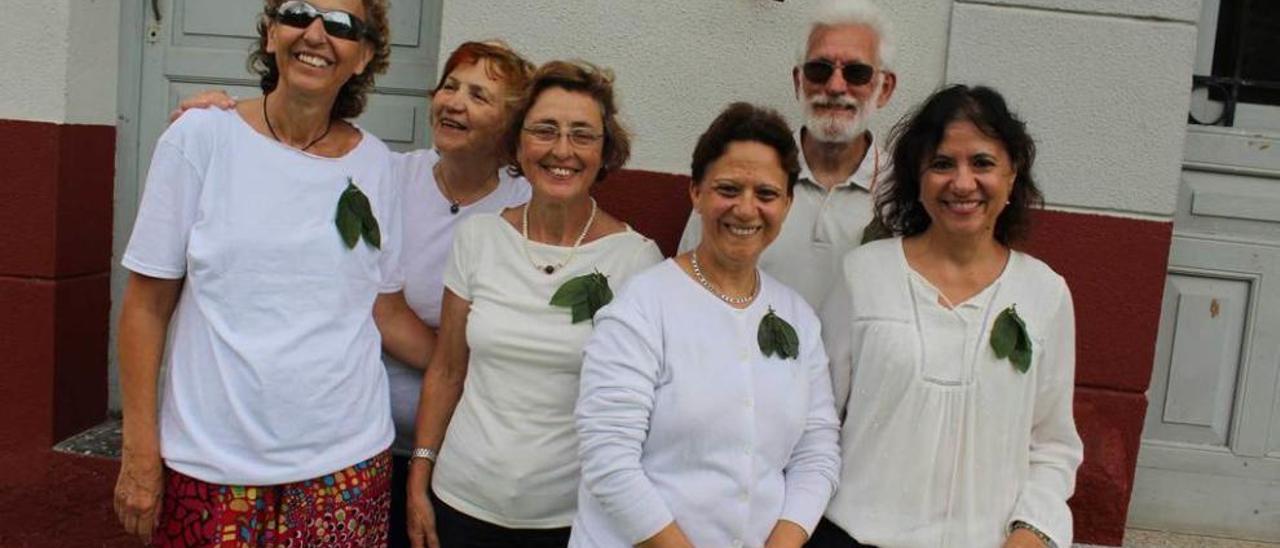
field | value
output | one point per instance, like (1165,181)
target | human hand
(204,99)
(138,493)
(421,518)
(1023,538)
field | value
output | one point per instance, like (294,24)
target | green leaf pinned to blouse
(1009,339)
(776,336)
(354,218)
(584,295)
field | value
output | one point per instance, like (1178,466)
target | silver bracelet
(424,453)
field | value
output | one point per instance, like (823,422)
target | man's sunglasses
(819,71)
(337,23)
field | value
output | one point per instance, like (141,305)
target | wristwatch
(424,453)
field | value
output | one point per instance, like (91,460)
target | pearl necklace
(697,274)
(551,268)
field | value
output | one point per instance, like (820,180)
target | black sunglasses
(337,23)
(819,71)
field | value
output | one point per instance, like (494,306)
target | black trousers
(397,522)
(458,530)
(830,535)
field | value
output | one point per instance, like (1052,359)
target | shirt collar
(862,177)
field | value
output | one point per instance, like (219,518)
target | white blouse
(510,454)
(944,444)
(682,417)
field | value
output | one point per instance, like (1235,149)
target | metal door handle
(155,9)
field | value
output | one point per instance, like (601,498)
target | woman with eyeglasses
(705,415)
(265,238)
(496,463)
(953,355)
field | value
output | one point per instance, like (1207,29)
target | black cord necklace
(277,137)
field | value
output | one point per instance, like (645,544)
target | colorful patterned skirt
(346,508)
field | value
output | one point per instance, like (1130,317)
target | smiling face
(467,112)
(562,170)
(838,111)
(742,200)
(311,61)
(967,182)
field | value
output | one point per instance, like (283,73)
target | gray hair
(852,12)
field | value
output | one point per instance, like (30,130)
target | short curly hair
(743,122)
(351,98)
(580,77)
(917,137)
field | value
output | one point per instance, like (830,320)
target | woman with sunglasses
(265,238)
(461,175)
(953,355)
(497,464)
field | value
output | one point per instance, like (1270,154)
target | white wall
(1104,88)
(1104,84)
(678,62)
(59,63)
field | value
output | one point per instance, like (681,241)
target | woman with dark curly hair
(953,355)
(520,290)
(266,237)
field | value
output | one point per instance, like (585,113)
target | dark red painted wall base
(1116,270)
(55,257)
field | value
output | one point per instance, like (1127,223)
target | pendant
(453,208)
(549,269)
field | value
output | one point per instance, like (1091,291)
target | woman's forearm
(144,322)
(404,335)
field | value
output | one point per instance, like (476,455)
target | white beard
(833,128)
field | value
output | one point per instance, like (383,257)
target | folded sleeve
(1056,449)
(620,371)
(158,246)
(457,271)
(813,471)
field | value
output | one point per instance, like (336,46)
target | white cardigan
(682,417)
(949,450)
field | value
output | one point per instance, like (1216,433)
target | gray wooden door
(173,48)
(1210,458)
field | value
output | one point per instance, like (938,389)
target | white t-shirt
(510,455)
(682,417)
(428,236)
(273,371)
(821,227)
(944,444)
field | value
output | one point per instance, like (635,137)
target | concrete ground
(56,498)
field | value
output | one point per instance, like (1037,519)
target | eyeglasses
(337,23)
(819,71)
(550,133)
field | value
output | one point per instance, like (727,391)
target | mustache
(833,101)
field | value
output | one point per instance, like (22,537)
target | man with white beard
(843,77)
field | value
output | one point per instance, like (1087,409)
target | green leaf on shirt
(1009,339)
(776,336)
(354,218)
(584,295)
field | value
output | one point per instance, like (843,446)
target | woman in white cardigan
(952,355)
(705,415)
